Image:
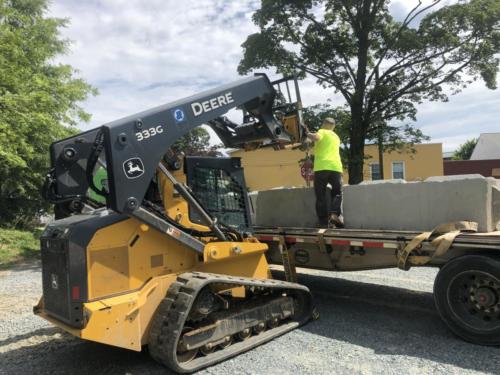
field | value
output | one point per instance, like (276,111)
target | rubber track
(174,309)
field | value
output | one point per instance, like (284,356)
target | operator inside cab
(327,170)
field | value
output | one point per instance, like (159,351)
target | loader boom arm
(134,145)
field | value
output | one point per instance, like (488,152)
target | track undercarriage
(199,323)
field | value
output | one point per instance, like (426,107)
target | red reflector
(75,292)
(373,244)
(341,242)
(290,239)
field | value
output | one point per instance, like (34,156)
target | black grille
(55,277)
(62,295)
(221,195)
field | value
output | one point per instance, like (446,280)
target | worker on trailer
(327,170)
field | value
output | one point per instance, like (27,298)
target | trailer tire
(467,297)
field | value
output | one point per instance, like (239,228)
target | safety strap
(321,241)
(288,263)
(445,233)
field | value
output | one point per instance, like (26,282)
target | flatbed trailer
(466,289)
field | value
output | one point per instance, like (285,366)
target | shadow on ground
(391,321)
(64,354)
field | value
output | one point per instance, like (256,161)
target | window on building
(398,169)
(375,171)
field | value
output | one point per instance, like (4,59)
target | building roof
(487,148)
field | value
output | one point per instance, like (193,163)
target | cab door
(219,185)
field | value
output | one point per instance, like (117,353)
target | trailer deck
(368,238)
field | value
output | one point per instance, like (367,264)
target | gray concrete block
(454,177)
(496,205)
(253,205)
(286,207)
(421,206)
(391,204)
(377,182)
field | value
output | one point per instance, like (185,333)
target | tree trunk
(356,153)
(381,152)
(356,156)
(357,141)
(362,25)
(358,126)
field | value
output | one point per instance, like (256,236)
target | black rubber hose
(92,161)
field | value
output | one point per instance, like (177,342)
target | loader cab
(219,185)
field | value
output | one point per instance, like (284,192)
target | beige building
(266,168)
(427,161)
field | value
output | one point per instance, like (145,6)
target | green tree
(382,67)
(465,150)
(38,104)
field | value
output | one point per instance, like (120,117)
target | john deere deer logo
(133,168)
(54,281)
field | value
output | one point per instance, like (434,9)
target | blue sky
(140,54)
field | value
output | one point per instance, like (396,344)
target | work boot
(336,221)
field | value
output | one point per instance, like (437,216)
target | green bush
(17,245)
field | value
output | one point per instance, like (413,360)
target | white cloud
(142,54)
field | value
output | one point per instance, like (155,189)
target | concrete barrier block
(454,177)
(253,205)
(496,205)
(421,206)
(286,207)
(391,204)
(377,182)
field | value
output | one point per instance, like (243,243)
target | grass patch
(17,245)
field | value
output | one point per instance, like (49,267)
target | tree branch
(408,19)
(435,72)
(350,70)
(337,83)
(350,15)
(396,66)
(415,82)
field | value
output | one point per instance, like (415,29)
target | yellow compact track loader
(169,261)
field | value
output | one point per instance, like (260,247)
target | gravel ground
(372,322)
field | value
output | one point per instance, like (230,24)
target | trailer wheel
(467,296)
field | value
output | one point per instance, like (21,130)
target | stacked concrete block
(496,205)
(391,204)
(419,206)
(286,207)
(253,205)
